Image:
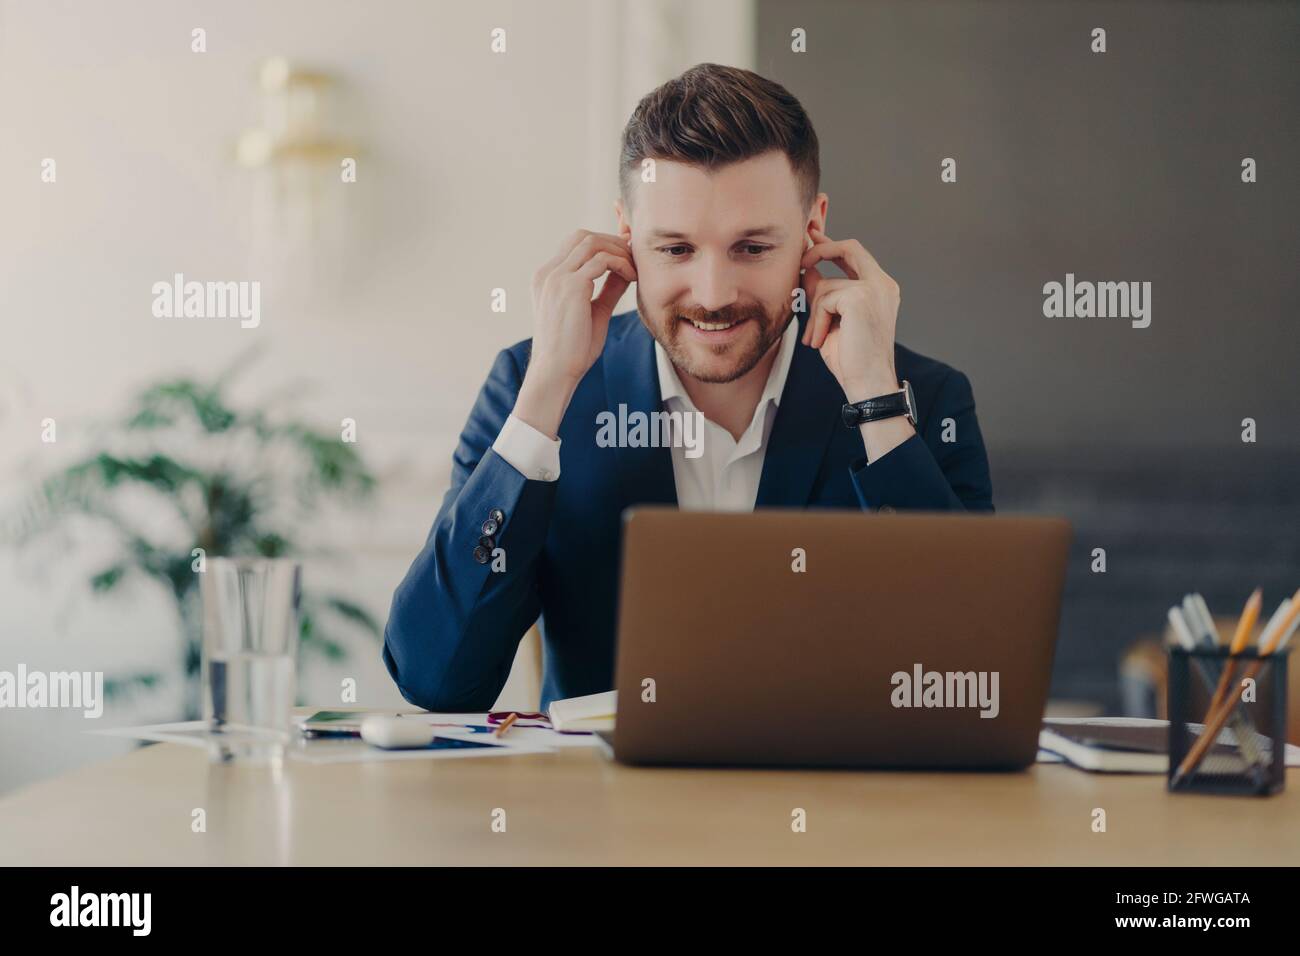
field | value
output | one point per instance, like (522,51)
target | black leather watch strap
(882,406)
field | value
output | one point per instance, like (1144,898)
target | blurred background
(209,140)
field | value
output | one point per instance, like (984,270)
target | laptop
(784,638)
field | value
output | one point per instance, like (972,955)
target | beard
(733,359)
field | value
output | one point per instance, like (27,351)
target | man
(720,225)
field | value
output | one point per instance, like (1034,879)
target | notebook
(584,714)
(1124,744)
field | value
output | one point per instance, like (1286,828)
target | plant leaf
(164,404)
(355,613)
(107,579)
(126,687)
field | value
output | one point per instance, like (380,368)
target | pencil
(1245,627)
(505,725)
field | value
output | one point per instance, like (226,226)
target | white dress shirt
(724,477)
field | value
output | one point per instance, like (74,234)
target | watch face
(911,400)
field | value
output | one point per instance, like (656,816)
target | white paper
(531,737)
(191,733)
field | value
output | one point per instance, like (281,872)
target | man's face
(717,258)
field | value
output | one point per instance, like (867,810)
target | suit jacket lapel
(632,381)
(805,424)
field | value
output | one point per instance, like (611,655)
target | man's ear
(816,218)
(624,226)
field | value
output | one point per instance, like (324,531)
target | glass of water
(250,645)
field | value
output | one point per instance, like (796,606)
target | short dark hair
(713,116)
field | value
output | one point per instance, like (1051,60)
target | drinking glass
(250,646)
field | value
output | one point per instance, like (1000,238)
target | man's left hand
(851,320)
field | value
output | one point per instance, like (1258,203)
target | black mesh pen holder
(1244,753)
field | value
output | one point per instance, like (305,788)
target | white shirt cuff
(528,451)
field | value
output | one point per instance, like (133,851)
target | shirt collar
(670,384)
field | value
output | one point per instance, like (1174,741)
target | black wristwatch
(901,402)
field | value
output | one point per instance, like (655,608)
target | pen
(1195,606)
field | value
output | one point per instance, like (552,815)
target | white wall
(473,167)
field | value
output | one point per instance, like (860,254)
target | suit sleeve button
(497,515)
(490,527)
(482,554)
(487,542)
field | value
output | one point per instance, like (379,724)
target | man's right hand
(570,322)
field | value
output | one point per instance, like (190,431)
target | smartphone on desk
(336,723)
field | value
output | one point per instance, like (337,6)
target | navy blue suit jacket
(455,624)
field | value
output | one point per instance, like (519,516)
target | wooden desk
(575,807)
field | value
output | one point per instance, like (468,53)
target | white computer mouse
(393,733)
